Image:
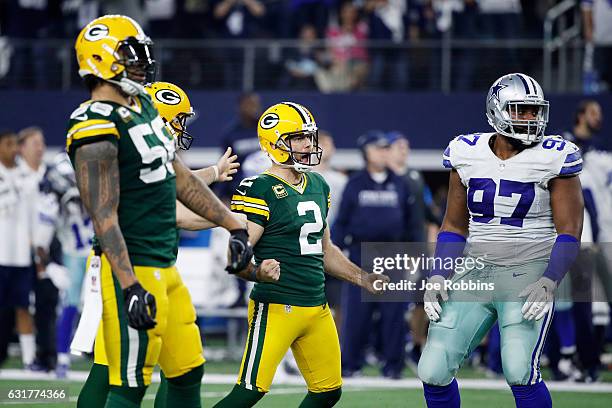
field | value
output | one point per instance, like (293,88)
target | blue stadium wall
(429,119)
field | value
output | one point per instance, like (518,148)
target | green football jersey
(294,218)
(147,201)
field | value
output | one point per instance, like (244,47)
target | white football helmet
(506,96)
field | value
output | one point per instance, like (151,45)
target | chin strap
(129,86)
(301,168)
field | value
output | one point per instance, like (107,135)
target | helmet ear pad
(506,116)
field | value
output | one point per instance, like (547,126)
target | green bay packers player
(129,179)
(174,108)
(286,209)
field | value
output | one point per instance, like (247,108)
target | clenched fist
(268,271)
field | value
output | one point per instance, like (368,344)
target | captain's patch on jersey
(279,191)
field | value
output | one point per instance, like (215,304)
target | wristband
(216,169)
(448,245)
(562,257)
(253,274)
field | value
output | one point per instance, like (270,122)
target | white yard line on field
(349,383)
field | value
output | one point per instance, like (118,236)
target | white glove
(540,296)
(432,305)
(59,275)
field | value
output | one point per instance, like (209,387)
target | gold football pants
(132,354)
(312,336)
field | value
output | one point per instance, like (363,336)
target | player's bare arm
(188,220)
(196,196)
(457,216)
(97,175)
(223,171)
(456,221)
(567,205)
(339,266)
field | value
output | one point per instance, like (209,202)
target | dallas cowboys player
(63,214)
(515,190)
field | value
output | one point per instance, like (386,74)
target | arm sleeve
(446,158)
(571,161)
(248,201)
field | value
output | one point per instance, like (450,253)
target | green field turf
(286,396)
(290,396)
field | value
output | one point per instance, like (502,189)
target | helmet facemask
(300,161)
(179,127)
(508,99)
(136,56)
(527,130)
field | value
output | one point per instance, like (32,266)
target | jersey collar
(300,188)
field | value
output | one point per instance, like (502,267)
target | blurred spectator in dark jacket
(464,20)
(315,12)
(387,21)
(597,17)
(161,15)
(29,21)
(303,62)
(238,19)
(500,20)
(241,136)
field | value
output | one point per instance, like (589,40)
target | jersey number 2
(306,248)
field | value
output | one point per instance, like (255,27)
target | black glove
(140,307)
(241,251)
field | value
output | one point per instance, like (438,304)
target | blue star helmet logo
(496,89)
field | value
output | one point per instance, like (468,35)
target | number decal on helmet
(269,121)
(168,96)
(96,32)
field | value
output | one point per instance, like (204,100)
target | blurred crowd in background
(338,45)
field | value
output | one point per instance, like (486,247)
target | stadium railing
(447,65)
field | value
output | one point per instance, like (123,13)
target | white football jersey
(597,181)
(509,200)
(18,198)
(61,211)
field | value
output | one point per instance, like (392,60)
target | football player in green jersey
(129,179)
(286,209)
(174,107)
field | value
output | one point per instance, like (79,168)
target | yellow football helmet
(114,48)
(174,107)
(281,123)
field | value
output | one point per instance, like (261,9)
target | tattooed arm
(97,174)
(191,191)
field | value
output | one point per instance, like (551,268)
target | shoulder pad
(91,119)
(249,198)
(92,110)
(460,148)
(565,157)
